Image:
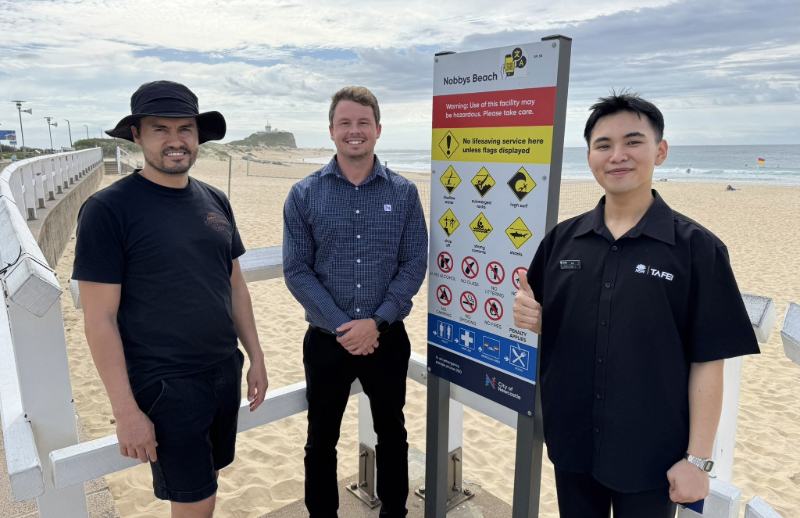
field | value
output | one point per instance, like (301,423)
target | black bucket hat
(172,100)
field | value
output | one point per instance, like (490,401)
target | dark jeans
(581,496)
(330,370)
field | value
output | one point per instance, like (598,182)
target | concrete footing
(484,504)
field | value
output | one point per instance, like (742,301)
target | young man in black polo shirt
(164,301)
(637,307)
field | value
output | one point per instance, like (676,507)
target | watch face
(709,466)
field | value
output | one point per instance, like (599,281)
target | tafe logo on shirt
(655,273)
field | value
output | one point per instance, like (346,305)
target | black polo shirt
(622,321)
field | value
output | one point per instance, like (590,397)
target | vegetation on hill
(109,145)
(285,139)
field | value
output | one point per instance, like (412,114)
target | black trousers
(581,496)
(330,370)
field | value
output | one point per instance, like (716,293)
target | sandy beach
(758,223)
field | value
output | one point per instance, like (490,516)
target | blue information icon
(520,357)
(466,338)
(491,347)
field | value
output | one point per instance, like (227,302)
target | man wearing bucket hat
(164,302)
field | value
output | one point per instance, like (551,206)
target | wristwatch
(704,464)
(382,325)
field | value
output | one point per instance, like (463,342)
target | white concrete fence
(45,460)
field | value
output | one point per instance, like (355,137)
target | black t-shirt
(622,320)
(172,252)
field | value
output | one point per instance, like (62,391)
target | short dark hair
(357,94)
(624,102)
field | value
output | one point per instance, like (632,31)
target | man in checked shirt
(355,251)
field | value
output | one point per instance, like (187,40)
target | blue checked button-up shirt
(353,252)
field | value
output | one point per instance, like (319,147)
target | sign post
(497,147)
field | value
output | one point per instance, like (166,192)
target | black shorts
(195,420)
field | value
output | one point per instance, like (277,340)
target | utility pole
(69,128)
(22,132)
(52,150)
(87,130)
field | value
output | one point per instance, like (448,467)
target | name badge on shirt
(571,264)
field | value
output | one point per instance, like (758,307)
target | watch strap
(704,464)
(381,324)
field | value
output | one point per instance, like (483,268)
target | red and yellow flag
(760,161)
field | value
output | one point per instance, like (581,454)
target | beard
(158,160)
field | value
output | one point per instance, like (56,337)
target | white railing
(35,390)
(32,182)
(125,158)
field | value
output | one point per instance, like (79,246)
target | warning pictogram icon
(444,295)
(450,180)
(445,262)
(515,276)
(521,184)
(518,232)
(494,309)
(468,302)
(483,182)
(448,144)
(469,267)
(448,222)
(480,227)
(495,272)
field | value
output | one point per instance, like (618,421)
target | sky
(722,72)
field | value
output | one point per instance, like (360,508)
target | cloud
(281,60)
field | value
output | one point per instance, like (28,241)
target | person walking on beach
(355,252)
(164,301)
(637,307)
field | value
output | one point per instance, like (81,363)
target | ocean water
(718,164)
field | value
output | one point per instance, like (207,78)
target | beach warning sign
(448,222)
(518,232)
(521,184)
(448,144)
(450,180)
(483,182)
(481,227)
(494,116)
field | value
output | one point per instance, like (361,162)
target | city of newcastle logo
(217,222)
(514,64)
(491,382)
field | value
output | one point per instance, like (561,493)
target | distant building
(269,129)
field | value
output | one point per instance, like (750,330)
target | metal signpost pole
(497,150)
(69,128)
(230,171)
(87,130)
(22,131)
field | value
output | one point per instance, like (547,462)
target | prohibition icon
(468,302)
(494,309)
(515,276)
(445,262)
(469,267)
(444,295)
(495,272)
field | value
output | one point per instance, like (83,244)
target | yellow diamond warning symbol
(448,144)
(518,232)
(450,180)
(483,182)
(448,222)
(521,184)
(480,227)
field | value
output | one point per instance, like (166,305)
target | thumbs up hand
(527,312)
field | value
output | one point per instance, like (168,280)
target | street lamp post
(22,132)
(87,130)
(69,128)
(52,150)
